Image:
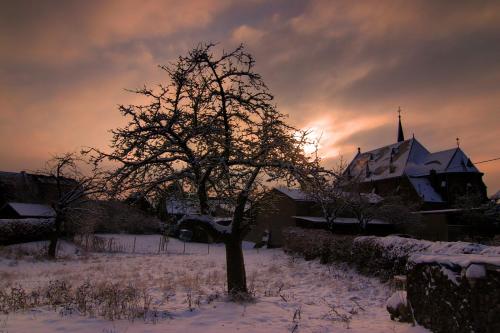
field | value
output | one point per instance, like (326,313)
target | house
(430,180)
(277,212)
(285,207)
(176,206)
(31,188)
(26,200)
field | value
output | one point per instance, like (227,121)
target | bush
(24,230)
(111,217)
(312,244)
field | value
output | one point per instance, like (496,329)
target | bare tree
(326,187)
(73,189)
(213,127)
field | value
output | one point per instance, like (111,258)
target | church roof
(425,190)
(411,159)
(386,162)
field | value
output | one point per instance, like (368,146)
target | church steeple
(401,136)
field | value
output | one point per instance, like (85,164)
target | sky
(339,68)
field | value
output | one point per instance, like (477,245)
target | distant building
(31,188)
(290,207)
(407,169)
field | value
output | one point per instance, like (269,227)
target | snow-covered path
(292,295)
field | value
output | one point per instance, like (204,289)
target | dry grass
(109,300)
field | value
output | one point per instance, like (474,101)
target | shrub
(312,244)
(24,230)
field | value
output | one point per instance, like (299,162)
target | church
(430,180)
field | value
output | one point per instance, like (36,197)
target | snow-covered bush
(24,230)
(312,244)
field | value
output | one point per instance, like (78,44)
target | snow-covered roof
(407,158)
(446,161)
(425,190)
(294,193)
(338,220)
(386,162)
(32,210)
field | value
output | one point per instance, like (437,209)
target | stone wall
(386,257)
(455,294)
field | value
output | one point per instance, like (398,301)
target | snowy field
(187,286)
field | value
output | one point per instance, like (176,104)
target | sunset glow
(340,69)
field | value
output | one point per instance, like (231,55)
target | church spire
(401,136)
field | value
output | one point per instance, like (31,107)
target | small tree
(327,189)
(73,189)
(213,128)
(362,206)
(476,214)
(397,212)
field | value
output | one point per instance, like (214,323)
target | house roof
(338,220)
(32,210)
(294,193)
(299,195)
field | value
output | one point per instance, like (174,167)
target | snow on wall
(392,255)
(399,246)
(447,296)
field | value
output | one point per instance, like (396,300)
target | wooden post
(133,250)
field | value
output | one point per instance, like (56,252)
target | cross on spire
(401,136)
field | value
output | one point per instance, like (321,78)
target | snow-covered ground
(291,294)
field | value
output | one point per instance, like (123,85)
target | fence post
(133,250)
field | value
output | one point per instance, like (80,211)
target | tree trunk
(54,237)
(236,276)
(203,199)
